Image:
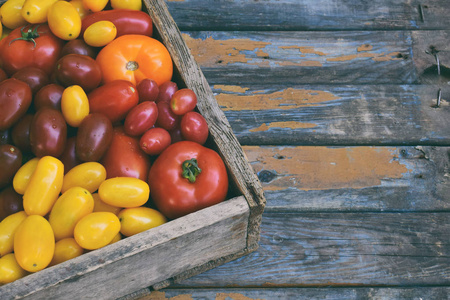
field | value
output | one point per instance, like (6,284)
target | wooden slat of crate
(272,15)
(144,259)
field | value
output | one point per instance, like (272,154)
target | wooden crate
(180,248)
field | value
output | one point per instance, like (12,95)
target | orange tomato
(135,57)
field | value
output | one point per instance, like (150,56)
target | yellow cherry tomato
(95,5)
(99,205)
(124,191)
(35,11)
(66,249)
(96,230)
(74,105)
(88,175)
(44,186)
(8,227)
(82,11)
(34,243)
(10,270)
(64,20)
(11,14)
(100,33)
(117,238)
(138,219)
(23,175)
(70,207)
(128,4)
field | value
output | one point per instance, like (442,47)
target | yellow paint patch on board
(306,63)
(373,56)
(304,50)
(365,47)
(209,52)
(157,295)
(230,88)
(286,99)
(288,124)
(323,168)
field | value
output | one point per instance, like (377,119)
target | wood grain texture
(341,249)
(353,178)
(300,293)
(309,15)
(331,57)
(143,259)
(336,115)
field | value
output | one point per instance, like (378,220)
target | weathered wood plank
(341,249)
(355,57)
(309,15)
(353,178)
(300,293)
(265,114)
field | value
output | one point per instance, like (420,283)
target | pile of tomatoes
(97,142)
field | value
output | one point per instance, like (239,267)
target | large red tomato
(124,158)
(30,46)
(187,177)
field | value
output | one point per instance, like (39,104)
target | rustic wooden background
(336,104)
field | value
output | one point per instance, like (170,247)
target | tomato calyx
(190,169)
(132,66)
(28,35)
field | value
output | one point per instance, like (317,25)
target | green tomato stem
(28,35)
(190,169)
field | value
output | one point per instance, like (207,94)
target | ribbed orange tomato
(135,57)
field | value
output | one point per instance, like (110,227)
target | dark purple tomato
(175,135)
(48,132)
(166,90)
(166,118)
(10,162)
(15,98)
(10,202)
(78,46)
(155,140)
(21,133)
(94,137)
(141,118)
(5,137)
(148,90)
(49,95)
(3,75)
(36,78)
(77,69)
(69,157)
(194,127)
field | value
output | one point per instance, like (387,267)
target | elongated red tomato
(187,177)
(114,99)
(127,21)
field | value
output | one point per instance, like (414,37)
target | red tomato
(124,158)
(30,46)
(114,99)
(166,118)
(148,90)
(155,141)
(194,127)
(78,69)
(187,177)
(166,91)
(183,101)
(141,118)
(127,21)
(36,78)
(135,57)
(15,98)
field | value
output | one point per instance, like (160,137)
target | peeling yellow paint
(233,296)
(365,47)
(304,49)
(156,295)
(288,124)
(230,88)
(286,99)
(209,52)
(322,168)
